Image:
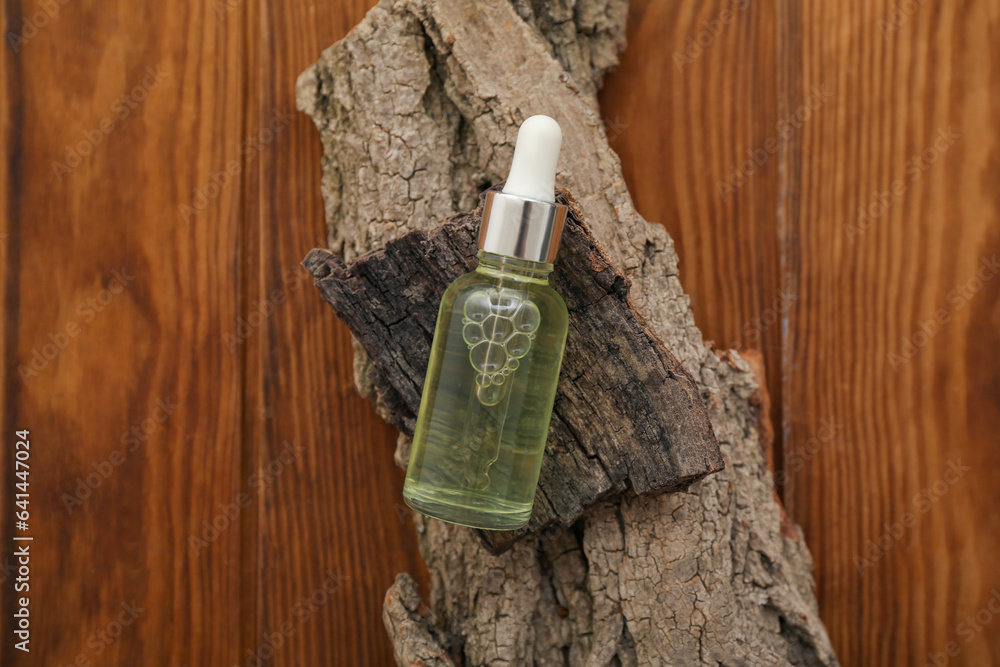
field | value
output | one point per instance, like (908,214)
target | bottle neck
(522,270)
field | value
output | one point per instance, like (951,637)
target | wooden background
(201,188)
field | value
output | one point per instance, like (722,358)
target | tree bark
(627,415)
(418,110)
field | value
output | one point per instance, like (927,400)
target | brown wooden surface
(830,313)
(340,517)
(157,339)
(329,518)
(904,422)
(860,441)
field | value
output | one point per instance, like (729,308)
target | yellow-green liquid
(487,398)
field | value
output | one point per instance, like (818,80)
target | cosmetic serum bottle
(494,365)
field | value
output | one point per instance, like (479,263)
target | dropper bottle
(498,345)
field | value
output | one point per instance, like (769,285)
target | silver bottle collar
(523,228)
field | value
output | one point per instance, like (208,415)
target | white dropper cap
(523,220)
(533,169)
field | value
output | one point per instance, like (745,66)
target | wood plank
(130,408)
(334,519)
(695,97)
(893,340)
(854,302)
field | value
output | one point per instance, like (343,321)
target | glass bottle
(494,365)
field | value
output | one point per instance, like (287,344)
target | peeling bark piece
(626,415)
(404,617)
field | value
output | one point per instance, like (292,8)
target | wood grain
(185,331)
(894,339)
(334,525)
(881,86)
(135,420)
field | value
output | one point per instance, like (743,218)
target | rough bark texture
(626,416)
(418,111)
